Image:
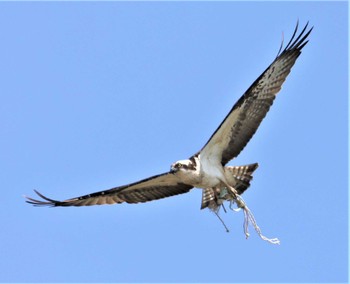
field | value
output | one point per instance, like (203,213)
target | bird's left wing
(243,120)
(153,188)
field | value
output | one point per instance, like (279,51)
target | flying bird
(207,168)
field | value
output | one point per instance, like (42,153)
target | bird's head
(183,165)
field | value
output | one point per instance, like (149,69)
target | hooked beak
(173,170)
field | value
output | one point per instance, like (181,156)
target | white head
(183,165)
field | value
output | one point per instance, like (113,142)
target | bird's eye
(179,165)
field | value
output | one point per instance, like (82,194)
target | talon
(231,204)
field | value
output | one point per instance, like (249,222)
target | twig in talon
(223,207)
(216,213)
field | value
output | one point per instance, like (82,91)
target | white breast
(211,172)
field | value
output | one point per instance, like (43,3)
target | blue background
(96,95)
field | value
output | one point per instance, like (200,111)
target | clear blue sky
(95,95)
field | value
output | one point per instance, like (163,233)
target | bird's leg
(248,217)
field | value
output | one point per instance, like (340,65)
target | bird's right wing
(243,120)
(153,188)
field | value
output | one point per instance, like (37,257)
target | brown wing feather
(153,188)
(243,120)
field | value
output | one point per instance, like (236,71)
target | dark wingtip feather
(296,43)
(294,33)
(35,202)
(281,46)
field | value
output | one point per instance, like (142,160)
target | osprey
(207,168)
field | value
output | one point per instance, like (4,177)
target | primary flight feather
(206,169)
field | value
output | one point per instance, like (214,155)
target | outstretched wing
(153,188)
(243,120)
